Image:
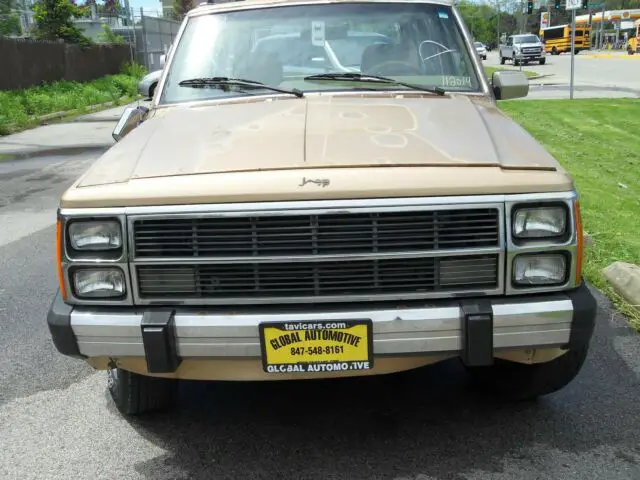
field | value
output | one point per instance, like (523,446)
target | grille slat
(316,234)
(317,279)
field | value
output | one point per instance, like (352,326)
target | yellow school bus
(557,39)
(633,44)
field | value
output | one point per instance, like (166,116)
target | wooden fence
(26,63)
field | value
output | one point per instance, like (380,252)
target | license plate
(322,346)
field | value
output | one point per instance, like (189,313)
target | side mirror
(130,119)
(508,85)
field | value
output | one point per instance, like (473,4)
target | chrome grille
(334,254)
(318,279)
(316,234)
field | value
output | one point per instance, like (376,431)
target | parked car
(523,48)
(254,224)
(481,49)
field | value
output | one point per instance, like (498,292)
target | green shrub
(19,108)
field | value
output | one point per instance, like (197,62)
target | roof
(228,5)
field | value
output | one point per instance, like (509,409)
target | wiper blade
(361,77)
(241,82)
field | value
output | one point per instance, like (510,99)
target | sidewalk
(83,133)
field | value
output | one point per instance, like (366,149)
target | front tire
(502,60)
(543,61)
(518,382)
(135,394)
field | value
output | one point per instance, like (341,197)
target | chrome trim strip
(328,206)
(290,207)
(396,331)
(344,257)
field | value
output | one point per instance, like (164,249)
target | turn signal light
(59,250)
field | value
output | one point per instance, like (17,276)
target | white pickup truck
(523,48)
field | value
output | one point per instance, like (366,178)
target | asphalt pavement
(57,421)
(596,75)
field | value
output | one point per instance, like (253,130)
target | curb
(624,278)
(56,115)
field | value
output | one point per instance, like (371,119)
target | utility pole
(602,27)
(498,22)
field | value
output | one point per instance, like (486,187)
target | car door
(508,49)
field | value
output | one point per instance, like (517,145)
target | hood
(319,132)
(528,45)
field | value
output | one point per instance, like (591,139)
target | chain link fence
(149,35)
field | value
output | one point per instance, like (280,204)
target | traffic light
(557,4)
(530,6)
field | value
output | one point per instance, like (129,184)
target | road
(57,422)
(596,74)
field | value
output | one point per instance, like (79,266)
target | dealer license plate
(322,346)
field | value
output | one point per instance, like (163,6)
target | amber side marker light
(579,242)
(63,290)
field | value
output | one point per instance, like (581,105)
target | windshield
(526,39)
(415,43)
(477,44)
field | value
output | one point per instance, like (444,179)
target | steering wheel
(413,69)
(445,48)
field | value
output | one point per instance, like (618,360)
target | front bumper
(471,328)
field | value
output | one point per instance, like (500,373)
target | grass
(19,109)
(490,71)
(598,142)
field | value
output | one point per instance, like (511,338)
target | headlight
(540,222)
(539,269)
(99,283)
(95,235)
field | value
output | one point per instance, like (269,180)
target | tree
(54,21)
(107,35)
(180,8)
(9,20)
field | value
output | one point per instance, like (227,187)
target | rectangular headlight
(539,222)
(99,283)
(531,270)
(95,235)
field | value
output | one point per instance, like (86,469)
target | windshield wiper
(361,77)
(240,82)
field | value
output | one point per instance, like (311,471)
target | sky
(149,6)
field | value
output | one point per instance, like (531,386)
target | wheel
(135,394)
(516,62)
(152,90)
(554,51)
(484,57)
(517,381)
(543,61)
(502,60)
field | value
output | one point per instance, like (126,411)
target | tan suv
(262,222)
